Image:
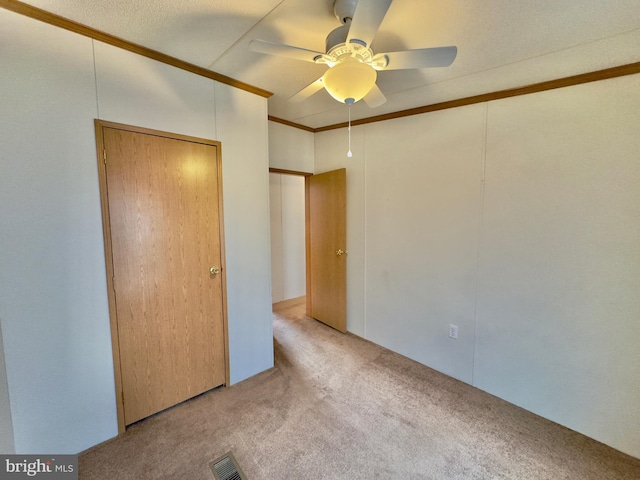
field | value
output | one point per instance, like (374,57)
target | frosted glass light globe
(349,80)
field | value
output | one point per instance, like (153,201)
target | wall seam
(95,77)
(215,113)
(364,233)
(483,167)
(282,278)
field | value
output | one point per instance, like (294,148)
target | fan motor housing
(337,47)
(344,9)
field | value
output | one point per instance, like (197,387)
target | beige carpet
(338,407)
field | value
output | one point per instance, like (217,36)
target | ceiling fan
(353,65)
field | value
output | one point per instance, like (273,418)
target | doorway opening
(288,238)
(324,237)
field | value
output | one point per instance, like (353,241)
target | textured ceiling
(501,43)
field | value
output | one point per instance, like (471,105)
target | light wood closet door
(327,243)
(165,236)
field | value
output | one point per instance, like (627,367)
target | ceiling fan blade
(282,50)
(375,97)
(420,58)
(307,91)
(366,20)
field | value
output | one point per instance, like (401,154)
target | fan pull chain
(349,154)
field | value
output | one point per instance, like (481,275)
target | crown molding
(61,22)
(607,73)
(291,124)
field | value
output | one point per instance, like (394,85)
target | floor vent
(227,468)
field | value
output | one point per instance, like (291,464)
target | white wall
(558,298)
(53,310)
(277,253)
(241,122)
(518,221)
(422,221)
(288,262)
(135,90)
(293,239)
(290,148)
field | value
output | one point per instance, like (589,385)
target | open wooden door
(327,248)
(162,207)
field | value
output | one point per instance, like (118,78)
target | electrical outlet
(453,331)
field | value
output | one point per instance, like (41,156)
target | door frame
(106,229)
(307,229)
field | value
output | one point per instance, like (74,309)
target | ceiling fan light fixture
(349,80)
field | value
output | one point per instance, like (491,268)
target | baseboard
(292,302)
